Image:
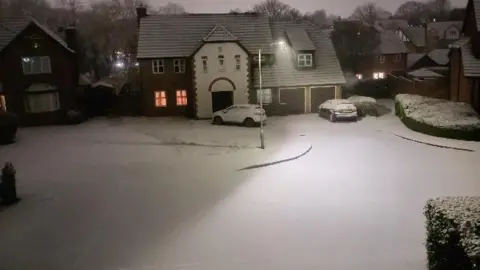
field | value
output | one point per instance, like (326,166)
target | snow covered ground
(129,194)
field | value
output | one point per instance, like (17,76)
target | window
(160,99)
(179,65)
(397,57)
(44,102)
(3,104)
(381,58)
(204,64)
(305,60)
(255,58)
(220,49)
(267,96)
(181,97)
(36,65)
(237,62)
(378,75)
(359,76)
(157,66)
(221,62)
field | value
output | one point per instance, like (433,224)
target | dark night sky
(338,7)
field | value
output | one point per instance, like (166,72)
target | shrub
(74,117)
(8,185)
(8,127)
(365,105)
(417,114)
(370,88)
(453,233)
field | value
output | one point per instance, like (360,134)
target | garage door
(320,95)
(292,100)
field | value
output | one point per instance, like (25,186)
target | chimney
(141,13)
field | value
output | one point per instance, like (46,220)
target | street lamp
(262,137)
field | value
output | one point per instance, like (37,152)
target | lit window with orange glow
(181,98)
(160,99)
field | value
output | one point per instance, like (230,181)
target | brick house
(465,59)
(196,64)
(38,71)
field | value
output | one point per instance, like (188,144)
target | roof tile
(471,65)
(299,39)
(219,33)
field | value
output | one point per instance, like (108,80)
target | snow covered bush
(438,117)
(8,185)
(365,105)
(331,104)
(453,233)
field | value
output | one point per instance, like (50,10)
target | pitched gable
(219,33)
(299,39)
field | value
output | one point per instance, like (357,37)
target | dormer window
(305,60)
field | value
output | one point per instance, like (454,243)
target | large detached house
(196,64)
(38,71)
(465,60)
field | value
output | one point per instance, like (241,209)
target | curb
(278,161)
(434,145)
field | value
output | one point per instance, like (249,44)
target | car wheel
(217,120)
(332,117)
(248,122)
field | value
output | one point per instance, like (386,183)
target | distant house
(441,34)
(196,64)
(38,71)
(435,58)
(465,59)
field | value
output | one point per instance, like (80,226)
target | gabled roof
(299,39)
(390,24)
(390,44)
(413,58)
(11,28)
(441,27)
(283,73)
(219,33)
(424,73)
(180,35)
(440,56)
(416,35)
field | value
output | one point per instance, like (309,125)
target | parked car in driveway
(338,109)
(246,114)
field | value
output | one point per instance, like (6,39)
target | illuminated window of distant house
(36,65)
(205,64)
(157,66)
(378,75)
(179,65)
(3,104)
(381,58)
(267,96)
(305,60)
(359,76)
(221,62)
(160,99)
(237,62)
(181,97)
(397,57)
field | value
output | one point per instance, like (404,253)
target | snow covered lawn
(438,117)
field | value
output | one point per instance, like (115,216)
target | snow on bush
(438,112)
(362,102)
(331,104)
(453,232)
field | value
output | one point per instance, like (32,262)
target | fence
(435,88)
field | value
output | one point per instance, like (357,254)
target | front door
(221,100)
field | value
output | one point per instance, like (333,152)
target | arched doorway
(222,90)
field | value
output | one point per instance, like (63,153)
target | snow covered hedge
(453,233)
(438,117)
(366,105)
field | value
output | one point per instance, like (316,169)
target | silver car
(338,109)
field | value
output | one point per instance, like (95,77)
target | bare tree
(275,9)
(368,13)
(318,17)
(172,8)
(36,8)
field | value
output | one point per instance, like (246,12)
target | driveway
(113,195)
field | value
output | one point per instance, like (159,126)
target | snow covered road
(354,202)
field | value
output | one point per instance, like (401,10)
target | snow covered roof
(413,58)
(424,73)
(476,7)
(416,35)
(441,27)
(440,56)
(180,35)
(471,65)
(326,72)
(10,28)
(390,44)
(299,39)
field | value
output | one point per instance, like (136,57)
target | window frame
(397,58)
(238,62)
(183,97)
(160,98)
(180,64)
(221,62)
(305,60)
(380,58)
(54,102)
(205,64)
(269,93)
(378,77)
(44,68)
(157,64)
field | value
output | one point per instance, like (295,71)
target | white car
(338,109)
(246,114)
